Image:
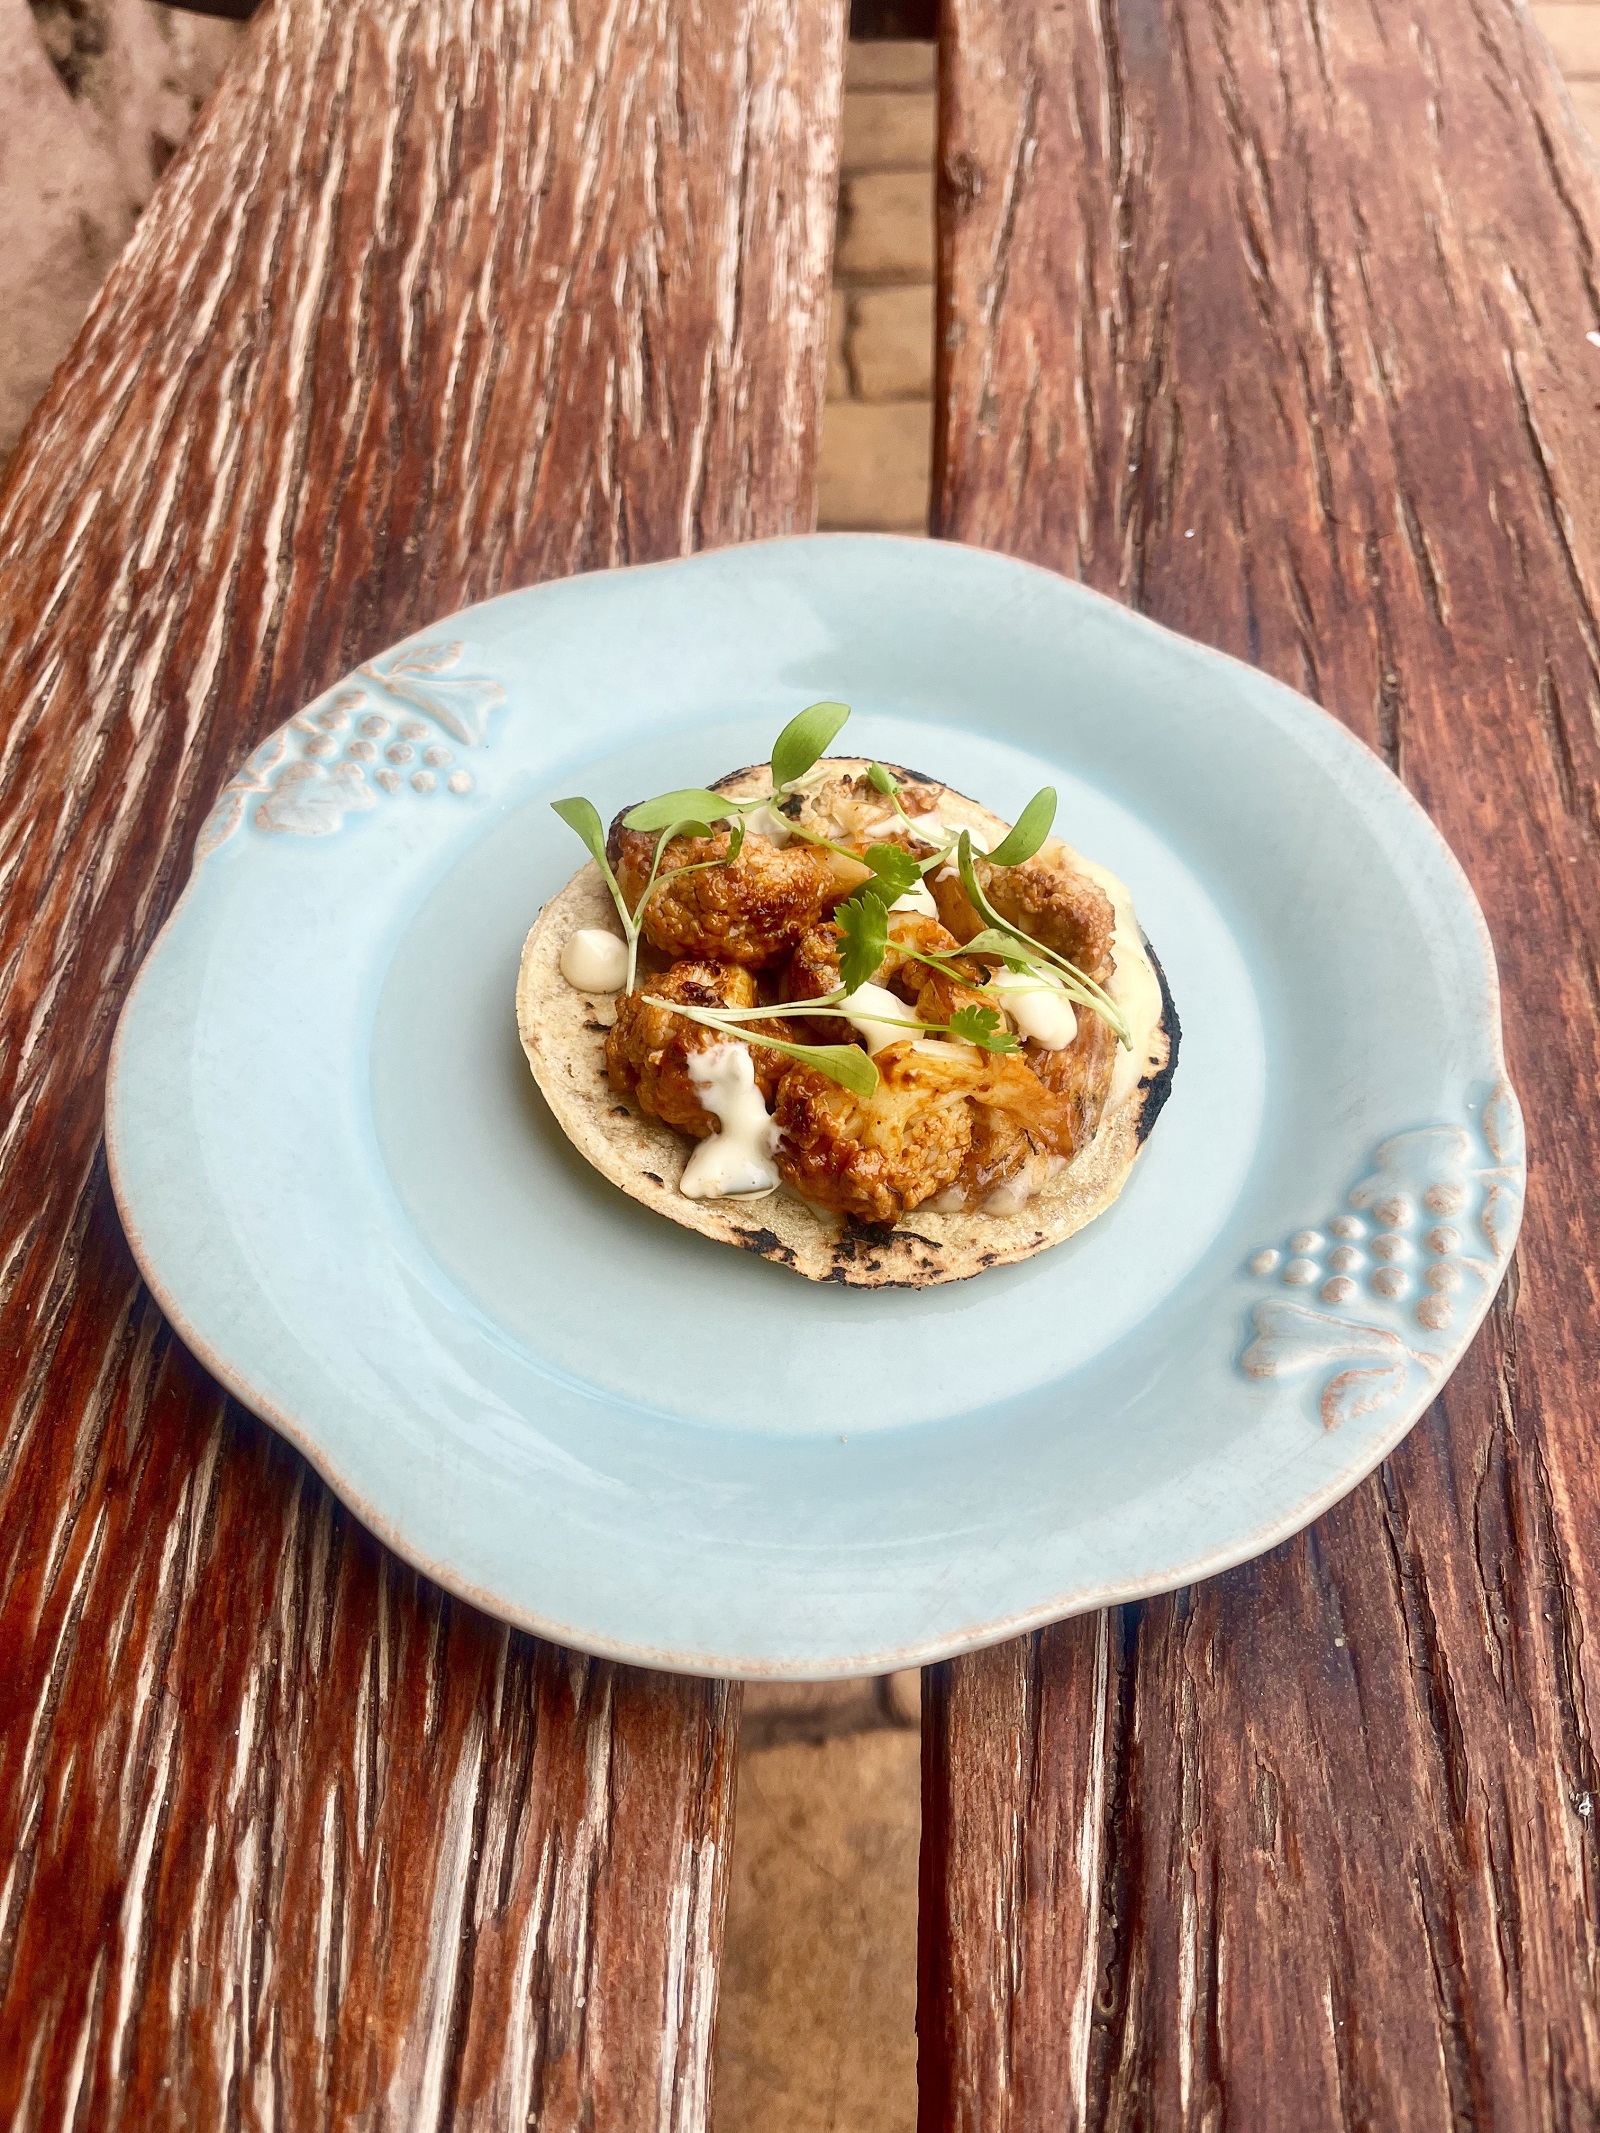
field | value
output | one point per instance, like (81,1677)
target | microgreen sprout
(1018,845)
(1076,983)
(1031,829)
(694,804)
(846,1064)
(580,815)
(804,741)
(884,780)
(694,811)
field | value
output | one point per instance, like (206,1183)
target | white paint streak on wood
(73,2094)
(417,2094)
(321,1984)
(131,1924)
(1091,1837)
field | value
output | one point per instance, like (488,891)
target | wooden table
(1272,322)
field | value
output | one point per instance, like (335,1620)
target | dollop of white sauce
(739,1158)
(764,821)
(869,1006)
(593,960)
(1038,1005)
(918,898)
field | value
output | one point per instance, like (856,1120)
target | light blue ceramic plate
(345,1191)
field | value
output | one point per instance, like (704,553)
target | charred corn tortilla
(563,1032)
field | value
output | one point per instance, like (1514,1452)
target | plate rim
(973,1636)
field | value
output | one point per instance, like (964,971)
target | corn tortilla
(563,1033)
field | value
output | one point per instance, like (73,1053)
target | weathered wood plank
(441,299)
(1274,323)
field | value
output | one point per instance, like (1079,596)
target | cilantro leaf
(981,1026)
(804,739)
(1032,828)
(693,807)
(884,780)
(863,937)
(894,871)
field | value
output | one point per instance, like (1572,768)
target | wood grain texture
(444,297)
(1272,321)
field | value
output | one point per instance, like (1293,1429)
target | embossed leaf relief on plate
(1426,1232)
(385,729)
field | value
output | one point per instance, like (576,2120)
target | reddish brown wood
(1272,321)
(443,298)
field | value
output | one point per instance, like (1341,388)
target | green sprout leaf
(969,878)
(885,780)
(863,938)
(894,871)
(581,815)
(847,1064)
(982,1026)
(1032,828)
(804,739)
(1078,985)
(990,942)
(690,809)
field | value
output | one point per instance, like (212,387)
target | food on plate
(833,1012)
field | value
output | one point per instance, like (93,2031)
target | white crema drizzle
(739,1158)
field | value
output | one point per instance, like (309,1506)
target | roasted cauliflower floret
(1021,1144)
(648,1048)
(813,969)
(848,806)
(750,911)
(875,1159)
(1078,1075)
(1000,1151)
(880,1158)
(904,973)
(1045,898)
